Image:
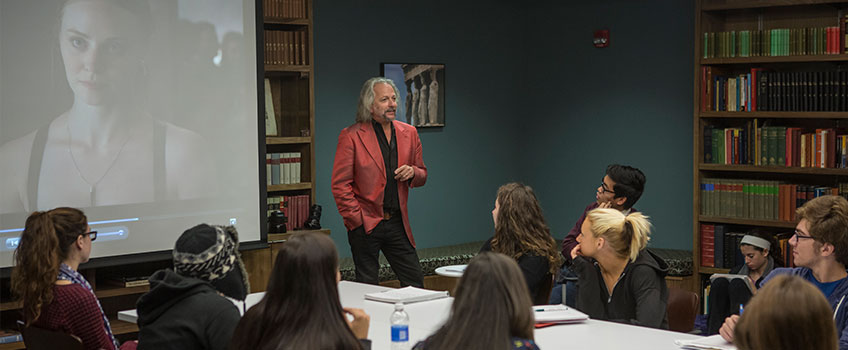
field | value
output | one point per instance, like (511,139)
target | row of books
(776,145)
(295,208)
(284,8)
(282,168)
(286,47)
(762,90)
(759,199)
(720,246)
(776,42)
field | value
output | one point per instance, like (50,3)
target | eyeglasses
(604,187)
(92,234)
(800,235)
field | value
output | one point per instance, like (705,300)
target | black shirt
(391,204)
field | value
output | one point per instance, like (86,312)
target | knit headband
(756,241)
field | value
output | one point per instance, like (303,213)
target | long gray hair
(366,97)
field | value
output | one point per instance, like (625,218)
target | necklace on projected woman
(92,187)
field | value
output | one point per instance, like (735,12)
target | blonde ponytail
(639,231)
(626,235)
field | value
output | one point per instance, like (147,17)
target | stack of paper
(406,295)
(557,314)
(714,342)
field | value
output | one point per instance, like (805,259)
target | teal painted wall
(629,103)
(527,99)
(469,158)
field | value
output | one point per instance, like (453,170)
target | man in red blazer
(378,159)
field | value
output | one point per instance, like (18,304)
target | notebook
(557,314)
(713,342)
(748,282)
(406,295)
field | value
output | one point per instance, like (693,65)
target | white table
(451,270)
(426,317)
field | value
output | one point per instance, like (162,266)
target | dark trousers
(390,237)
(725,298)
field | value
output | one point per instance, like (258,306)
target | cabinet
(770,118)
(289,97)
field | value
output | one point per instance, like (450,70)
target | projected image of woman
(106,149)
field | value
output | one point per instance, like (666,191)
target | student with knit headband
(820,250)
(186,307)
(762,255)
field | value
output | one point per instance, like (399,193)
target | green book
(781,145)
(764,145)
(772,145)
(706,44)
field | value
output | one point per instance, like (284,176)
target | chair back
(681,310)
(543,295)
(43,339)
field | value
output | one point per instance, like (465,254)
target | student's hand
(404,173)
(726,330)
(360,322)
(575,251)
(605,205)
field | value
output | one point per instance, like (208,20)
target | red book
(793,200)
(830,142)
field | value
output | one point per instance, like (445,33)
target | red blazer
(359,174)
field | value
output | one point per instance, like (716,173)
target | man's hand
(404,173)
(575,251)
(360,322)
(605,205)
(726,330)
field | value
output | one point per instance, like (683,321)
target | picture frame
(414,80)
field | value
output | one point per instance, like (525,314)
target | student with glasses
(820,250)
(45,279)
(620,189)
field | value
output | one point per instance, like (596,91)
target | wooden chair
(42,339)
(681,310)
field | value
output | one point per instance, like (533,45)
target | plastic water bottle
(400,328)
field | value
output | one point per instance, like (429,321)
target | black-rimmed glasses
(800,235)
(92,234)
(604,187)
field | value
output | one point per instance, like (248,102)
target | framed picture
(422,92)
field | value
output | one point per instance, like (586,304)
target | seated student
(522,234)
(186,307)
(54,295)
(618,280)
(820,250)
(491,309)
(787,314)
(762,255)
(301,308)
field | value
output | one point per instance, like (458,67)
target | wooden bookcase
(288,66)
(712,16)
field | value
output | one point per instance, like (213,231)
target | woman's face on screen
(97,44)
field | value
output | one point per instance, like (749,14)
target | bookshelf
(762,67)
(288,68)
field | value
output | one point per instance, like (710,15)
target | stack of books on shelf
(758,89)
(282,168)
(775,42)
(720,246)
(776,145)
(289,9)
(295,208)
(759,199)
(286,47)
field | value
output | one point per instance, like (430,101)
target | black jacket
(184,313)
(639,297)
